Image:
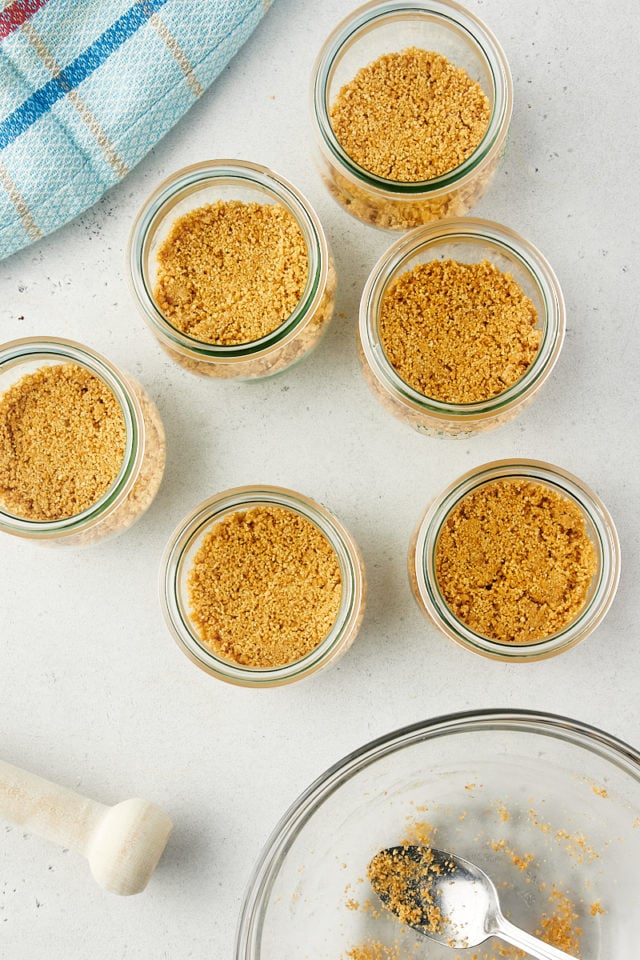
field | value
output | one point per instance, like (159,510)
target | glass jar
(142,468)
(178,560)
(599,528)
(468,240)
(388,26)
(227,180)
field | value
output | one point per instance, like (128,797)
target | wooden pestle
(122,843)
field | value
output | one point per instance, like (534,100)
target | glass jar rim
(30,349)
(567,484)
(448,11)
(502,239)
(250,174)
(204,517)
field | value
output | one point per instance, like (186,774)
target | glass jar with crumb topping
(137,475)
(581,516)
(384,27)
(468,241)
(252,353)
(228,511)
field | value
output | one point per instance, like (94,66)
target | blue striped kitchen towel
(87,87)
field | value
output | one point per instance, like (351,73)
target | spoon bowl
(447,899)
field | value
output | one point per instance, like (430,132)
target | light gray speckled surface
(93,692)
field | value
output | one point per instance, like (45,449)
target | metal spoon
(447,899)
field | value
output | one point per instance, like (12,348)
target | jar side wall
(433,604)
(145,482)
(185,542)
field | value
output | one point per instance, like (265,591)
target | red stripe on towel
(16,13)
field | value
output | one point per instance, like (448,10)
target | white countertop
(94,693)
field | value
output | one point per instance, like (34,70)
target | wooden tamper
(122,843)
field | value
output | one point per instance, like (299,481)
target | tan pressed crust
(514,561)
(410,116)
(231,272)
(62,442)
(458,332)
(264,587)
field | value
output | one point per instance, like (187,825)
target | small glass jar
(468,240)
(142,467)
(388,26)
(178,560)
(599,528)
(227,180)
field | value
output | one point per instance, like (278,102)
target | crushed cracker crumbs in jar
(231,269)
(517,560)
(261,586)
(82,446)
(411,108)
(461,322)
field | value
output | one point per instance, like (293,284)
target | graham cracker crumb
(62,442)
(373,950)
(231,272)
(401,881)
(596,908)
(458,332)
(559,927)
(264,587)
(514,561)
(410,116)
(521,861)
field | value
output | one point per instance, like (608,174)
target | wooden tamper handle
(122,843)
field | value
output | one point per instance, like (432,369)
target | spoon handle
(525,941)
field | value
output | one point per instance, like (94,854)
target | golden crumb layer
(265,587)
(403,880)
(514,561)
(62,442)
(458,332)
(410,116)
(559,927)
(231,272)
(374,950)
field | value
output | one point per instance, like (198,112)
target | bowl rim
(605,745)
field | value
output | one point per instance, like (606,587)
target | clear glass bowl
(600,530)
(390,26)
(467,240)
(226,180)
(142,468)
(178,559)
(556,789)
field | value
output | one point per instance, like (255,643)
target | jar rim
(29,349)
(422,558)
(185,181)
(514,247)
(365,18)
(206,515)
